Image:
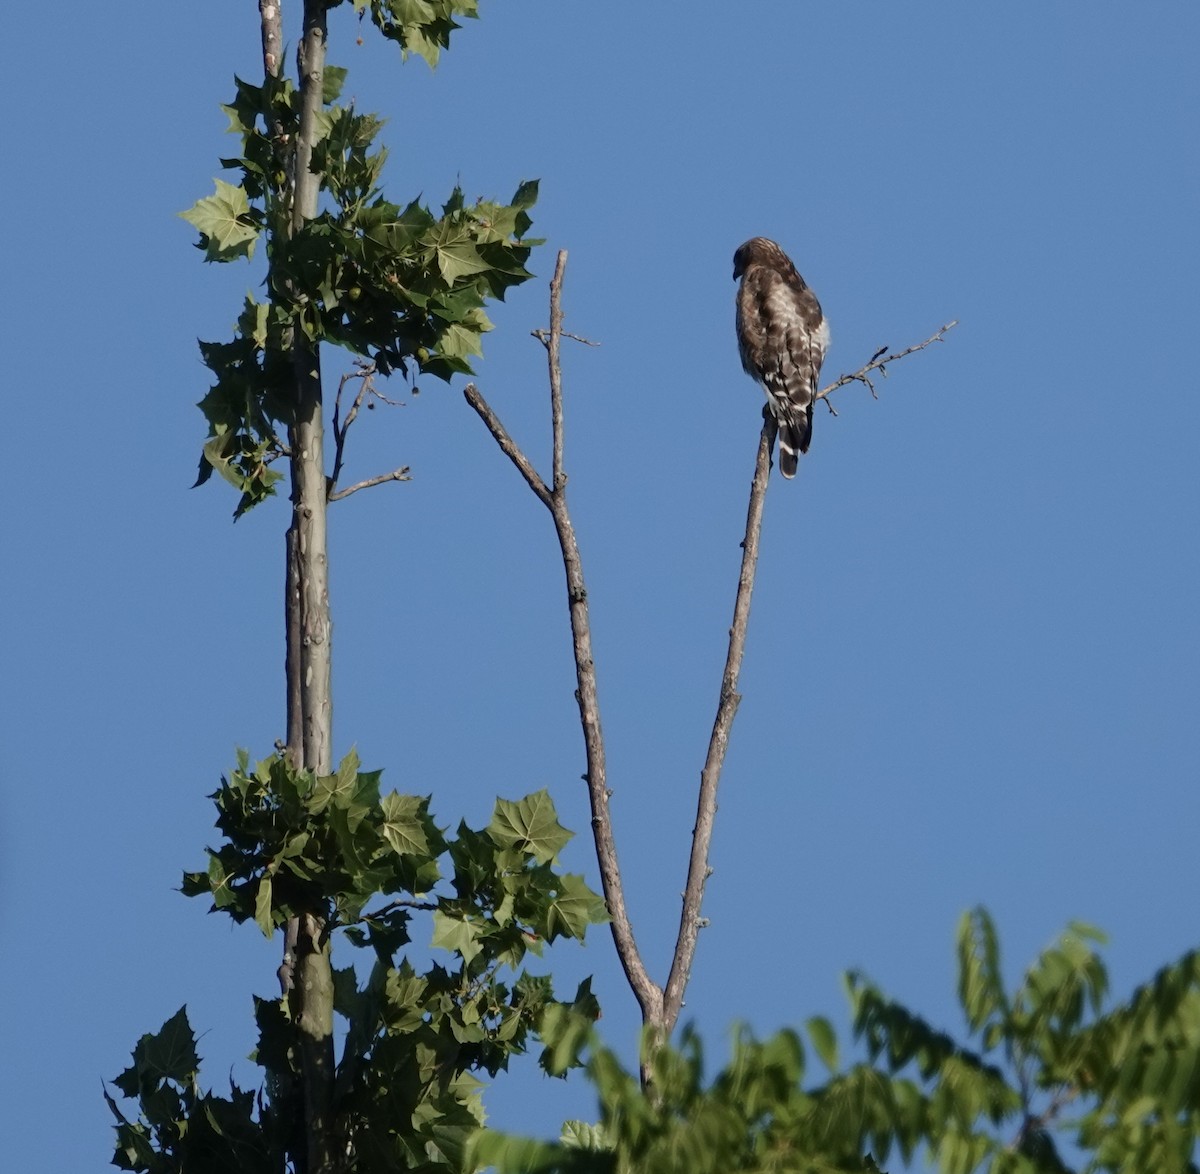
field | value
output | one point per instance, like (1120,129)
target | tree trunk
(309,629)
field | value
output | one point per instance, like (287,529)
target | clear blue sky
(972,667)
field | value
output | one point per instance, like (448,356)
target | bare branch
(553,347)
(690,921)
(400,474)
(398,903)
(880,361)
(507,445)
(543,336)
(367,392)
(648,994)
(364,374)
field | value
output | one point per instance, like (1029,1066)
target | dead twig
(880,361)
(367,391)
(392,906)
(543,336)
(401,474)
(365,373)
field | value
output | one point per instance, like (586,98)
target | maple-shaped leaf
(456,935)
(459,260)
(403,826)
(573,909)
(170,1054)
(227,228)
(530,825)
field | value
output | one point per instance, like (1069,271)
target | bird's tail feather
(794,437)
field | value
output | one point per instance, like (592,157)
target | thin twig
(880,361)
(401,474)
(365,375)
(699,871)
(367,392)
(543,337)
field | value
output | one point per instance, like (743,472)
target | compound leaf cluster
(400,287)
(405,1091)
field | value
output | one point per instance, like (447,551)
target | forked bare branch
(660,1006)
(367,392)
(648,993)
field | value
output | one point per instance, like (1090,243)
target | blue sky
(972,666)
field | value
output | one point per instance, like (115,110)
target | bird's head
(756,250)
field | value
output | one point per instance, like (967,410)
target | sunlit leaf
(227,229)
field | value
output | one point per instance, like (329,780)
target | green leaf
(339,789)
(512,1155)
(824,1039)
(980,984)
(275,1036)
(405,993)
(403,824)
(333,79)
(526,195)
(168,1054)
(227,228)
(460,260)
(455,934)
(579,1135)
(530,825)
(574,909)
(262,907)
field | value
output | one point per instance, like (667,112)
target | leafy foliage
(754,1116)
(406,1096)
(405,289)
(1051,1071)
(399,286)
(1128,1075)
(418,26)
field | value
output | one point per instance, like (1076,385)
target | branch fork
(365,373)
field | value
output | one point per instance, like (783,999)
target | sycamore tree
(311,847)
(319,858)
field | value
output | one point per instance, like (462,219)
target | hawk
(782,338)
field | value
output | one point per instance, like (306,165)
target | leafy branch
(404,290)
(296,844)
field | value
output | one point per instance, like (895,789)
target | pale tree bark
(311,997)
(309,494)
(306,976)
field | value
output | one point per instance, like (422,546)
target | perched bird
(782,337)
